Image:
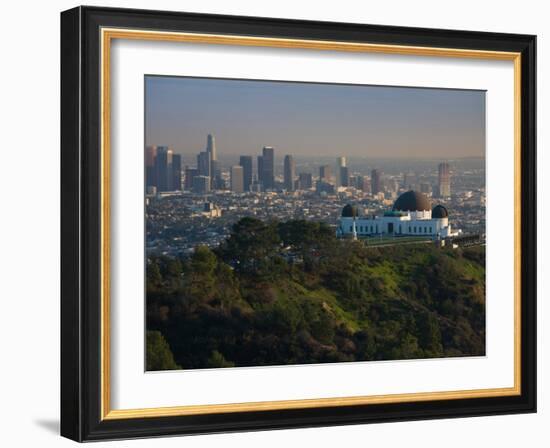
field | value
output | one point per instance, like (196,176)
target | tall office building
(211,147)
(268,168)
(376,181)
(201,184)
(260,171)
(344,176)
(163,168)
(150,158)
(204,164)
(215,171)
(305,181)
(176,172)
(190,174)
(246,163)
(340,162)
(444,180)
(365,185)
(237,179)
(355,182)
(325,173)
(289,172)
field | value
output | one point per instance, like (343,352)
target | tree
(251,242)
(309,239)
(429,333)
(154,278)
(159,356)
(217,360)
(199,279)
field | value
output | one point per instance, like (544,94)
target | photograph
(292,223)
(292,220)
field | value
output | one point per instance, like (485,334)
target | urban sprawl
(191,205)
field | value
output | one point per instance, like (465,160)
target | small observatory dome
(350,211)
(440,212)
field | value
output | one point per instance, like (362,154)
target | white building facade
(411,215)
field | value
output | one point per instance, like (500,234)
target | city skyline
(306,119)
(163,170)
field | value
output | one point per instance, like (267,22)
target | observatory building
(411,215)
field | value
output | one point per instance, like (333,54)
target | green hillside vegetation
(291,293)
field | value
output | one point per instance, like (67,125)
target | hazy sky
(313,119)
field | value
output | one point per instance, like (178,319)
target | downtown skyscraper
(344,176)
(341,163)
(163,168)
(305,181)
(176,172)
(237,179)
(444,181)
(204,165)
(376,181)
(325,173)
(190,174)
(289,172)
(215,172)
(246,163)
(266,172)
(150,171)
(211,147)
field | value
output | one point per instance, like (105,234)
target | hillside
(291,293)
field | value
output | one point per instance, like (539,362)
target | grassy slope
(374,303)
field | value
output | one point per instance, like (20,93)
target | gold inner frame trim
(107,35)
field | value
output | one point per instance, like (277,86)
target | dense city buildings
(289,173)
(324,188)
(178,220)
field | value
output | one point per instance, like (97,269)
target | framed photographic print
(273,223)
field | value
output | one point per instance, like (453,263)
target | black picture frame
(81,224)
